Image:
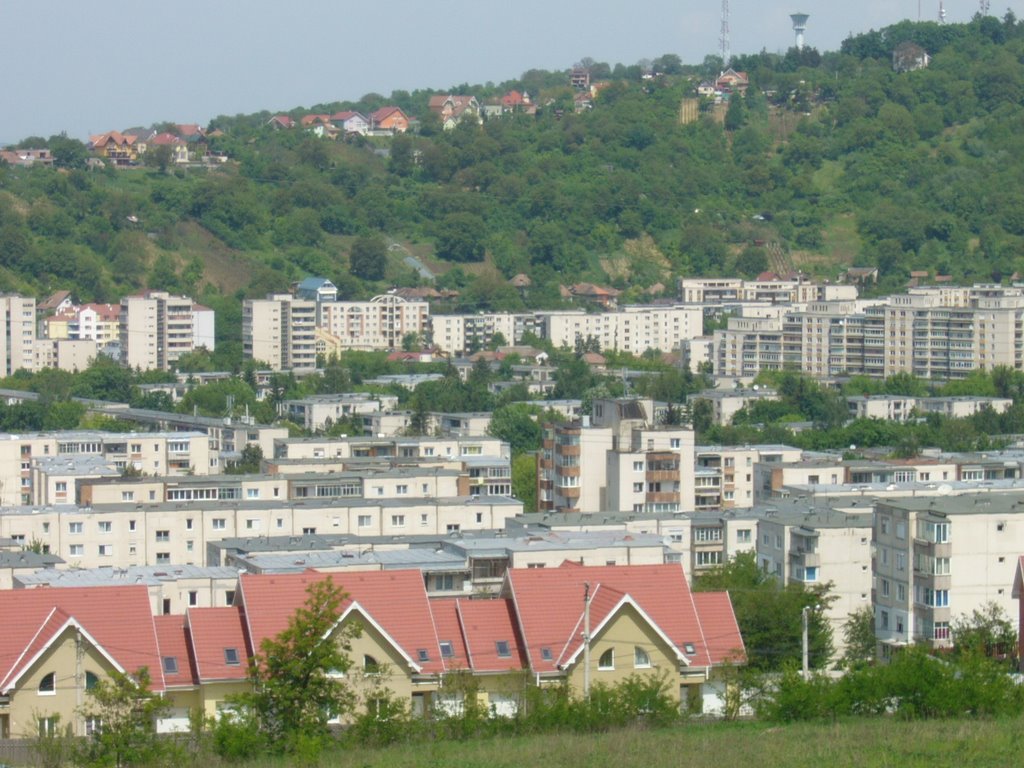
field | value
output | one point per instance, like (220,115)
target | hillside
(831,160)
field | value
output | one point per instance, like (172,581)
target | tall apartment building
(155,329)
(280,331)
(18,336)
(380,323)
(718,290)
(935,333)
(940,558)
(819,544)
(617,459)
(464,334)
(632,329)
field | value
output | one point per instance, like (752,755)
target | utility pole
(586,639)
(803,615)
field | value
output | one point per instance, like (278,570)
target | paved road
(412,261)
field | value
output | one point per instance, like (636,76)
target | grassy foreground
(861,743)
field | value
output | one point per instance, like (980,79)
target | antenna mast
(984,6)
(942,13)
(723,37)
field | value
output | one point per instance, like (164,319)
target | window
(638,466)
(402,489)
(398,521)
(901,561)
(229,597)
(707,534)
(422,654)
(901,592)
(131,525)
(252,524)
(47,726)
(941,630)
(188,523)
(163,558)
(170,664)
(193,598)
(638,487)
(452,528)
(309,531)
(709,558)
(607,660)
(365,521)
(252,493)
(883,524)
(105,550)
(127,495)
(61,486)
(640,658)
(74,528)
(93,724)
(90,680)
(743,536)
(163,536)
(940,566)
(219,523)
(673,442)
(545,653)
(503,649)
(447,649)
(885,619)
(105,526)
(76,550)
(48,684)
(231,657)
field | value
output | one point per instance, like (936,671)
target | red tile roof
(721,632)
(213,632)
(395,601)
(485,624)
(449,631)
(549,603)
(117,620)
(172,637)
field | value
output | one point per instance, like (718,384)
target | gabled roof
(172,637)
(449,632)
(115,137)
(384,113)
(166,138)
(395,601)
(491,637)
(214,633)
(549,606)
(1018,579)
(721,632)
(116,620)
(281,120)
(54,301)
(308,120)
(341,117)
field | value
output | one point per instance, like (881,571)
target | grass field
(863,743)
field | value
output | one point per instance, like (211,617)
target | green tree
(298,683)
(986,631)
(158,157)
(368,258)
(517,425)
(249,463)
(770,615)
(524,480)
(127,712)
(859,637)
(460,237)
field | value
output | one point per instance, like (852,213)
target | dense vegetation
(841,160)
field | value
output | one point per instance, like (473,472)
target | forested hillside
(831,160)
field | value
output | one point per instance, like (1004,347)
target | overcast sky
(86,68)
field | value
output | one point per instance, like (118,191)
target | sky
(85,69)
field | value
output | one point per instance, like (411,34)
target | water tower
(799,26)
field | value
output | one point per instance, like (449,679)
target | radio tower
(723,37)
(942,13)
(984,5)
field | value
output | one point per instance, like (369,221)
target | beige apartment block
(616,459)
(155,329)
(813,545)
(66,354)
(406,448)
(17,333)
(175,453)
(726,403)
(380,323)
(633,329)
(726,476)
(940,558)
(463,334)
(280,331)
(317,412)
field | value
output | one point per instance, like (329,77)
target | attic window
(422,654)
(231,657)
(689,649)
(545,653)
(447,650)
(170,665)
(503,648)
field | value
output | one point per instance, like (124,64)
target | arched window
(48,685)
(370,665)
(640,658)
(607,660)
(90,680)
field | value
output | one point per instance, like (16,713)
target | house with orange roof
(389,119)
(56,644)
(179,149)
(117,147)
(350,122)
(281,122)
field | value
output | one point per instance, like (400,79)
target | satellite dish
(944,490)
